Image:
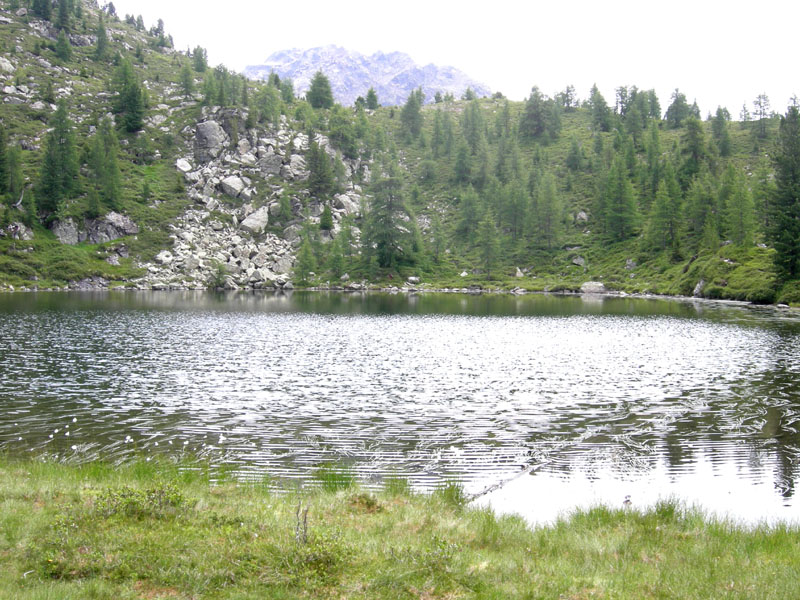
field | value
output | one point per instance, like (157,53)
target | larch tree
(59,168)
(319,95)
(785,226)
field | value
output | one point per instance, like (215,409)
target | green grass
(160,530)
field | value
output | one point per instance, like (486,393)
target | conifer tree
(601,114)
(666,214)
(372,99)
(389,223)
(63,47)
(321,179)
(489,243)
(187,80)
(200,59)
(411,115)
(129,103)
(64,14)
(549,212)
(785,227)
(42,8)
(59,167)
(4,160)
(326,219)
(101,47)
(319,94)
(306,262)
(739,216)
(619,211)
(104,165)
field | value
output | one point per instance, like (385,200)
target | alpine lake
(535,404)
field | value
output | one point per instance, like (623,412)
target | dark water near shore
(559,401)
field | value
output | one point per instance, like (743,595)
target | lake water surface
(545,403)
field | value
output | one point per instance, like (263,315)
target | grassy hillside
(491,193)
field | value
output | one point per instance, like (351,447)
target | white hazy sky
(717,52)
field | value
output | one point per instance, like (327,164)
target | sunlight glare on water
(569,401)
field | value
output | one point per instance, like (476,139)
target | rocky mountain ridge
(393,75)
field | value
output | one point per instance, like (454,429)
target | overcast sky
(718,53)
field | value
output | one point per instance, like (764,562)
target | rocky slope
(393,75)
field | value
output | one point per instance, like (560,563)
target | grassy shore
(150,530)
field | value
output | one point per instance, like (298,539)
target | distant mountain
(393,75)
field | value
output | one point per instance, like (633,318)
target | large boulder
(270,164)
(66,231)
(6,66)
(233,186)
(256,222)
(593,287)
(209,140)
(19,231)
(107,228)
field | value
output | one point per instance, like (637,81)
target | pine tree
(64,14)
(63,47)
(666,214)
(678,111)
(462,171)
(321,178)
(59,168)
(200,59)
(4,160)
(319,94)
(489,243)
(104,166)
(411,115)
(187,80)
(129,103)
(42,8)
(372,99)
(601,114)
(739,216)
(619,203)
(101,47)
(306,262)
(785,229)
(549,212)
(326,219)
(389,223)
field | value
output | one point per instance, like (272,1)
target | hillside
(392,75)
(164,172)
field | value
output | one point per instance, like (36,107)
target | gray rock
(232,186)
(270,165)
(579,261)
(208,141)
(282,265)
(413,280)
(109,227)
(5,65)
(38,105)
(184,166)
(581,217)
(66,231)
(519,273)
(698,289)
(19,231)
(630,264)
(345,277)
(593,287)
(257,222)
(164,257)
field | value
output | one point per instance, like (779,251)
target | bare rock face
(109,227)
(593,287)
(66,231)
(208,141)
(18,231)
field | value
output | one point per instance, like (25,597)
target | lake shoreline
(475,290)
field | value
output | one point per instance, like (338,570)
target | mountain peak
(393,75)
